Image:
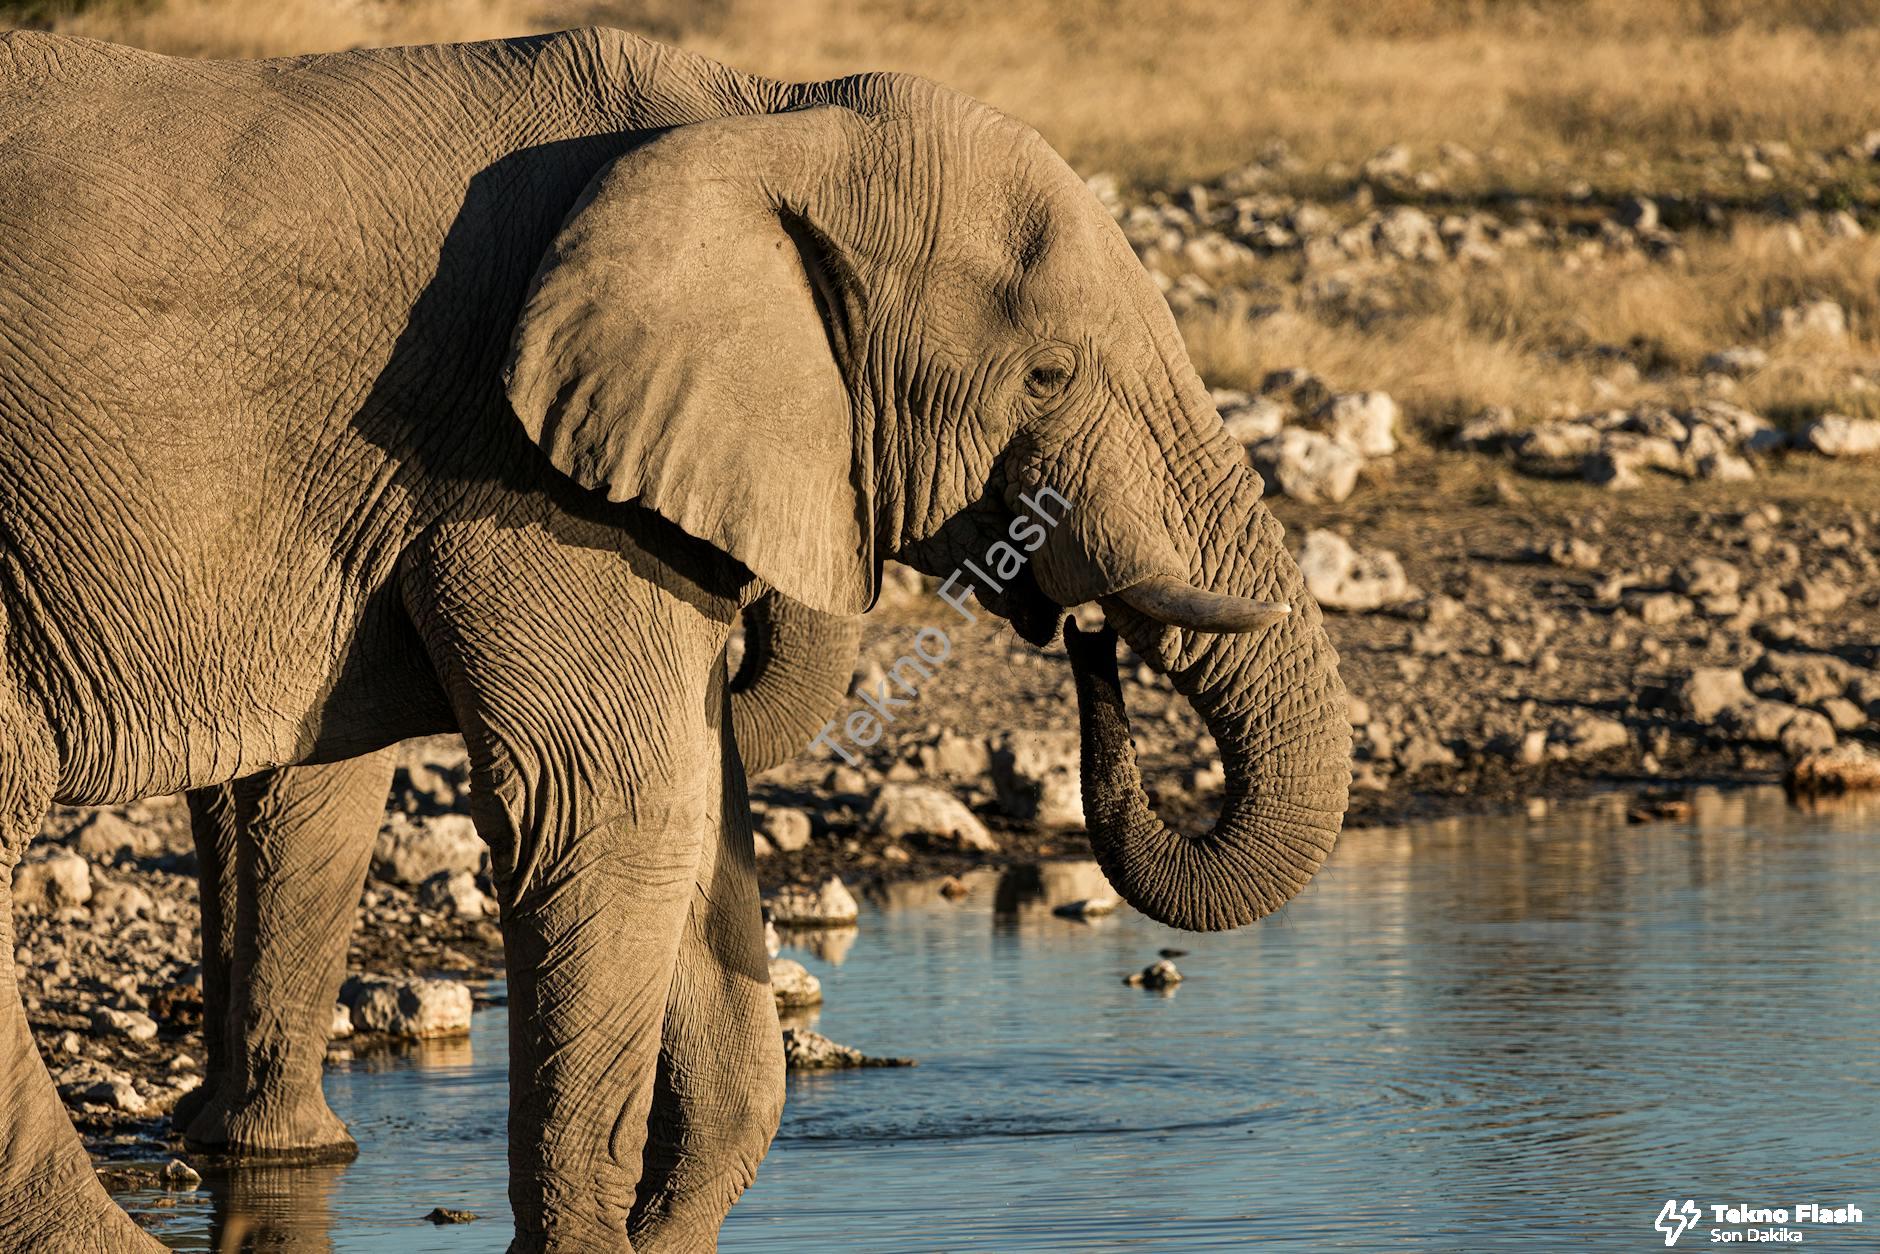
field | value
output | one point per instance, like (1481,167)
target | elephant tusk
(1178,604)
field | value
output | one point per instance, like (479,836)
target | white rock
(954,756)
(1815,319)
(178,1174)
(1735,426)
(792,984)
(116,1092)
(1488,430)
(121,901)
(804,1050)
(1836,435)
(1409,233)
(1585,735)
(410,851)
(51,879)
(1724,468)
(1735,362)
(1710,690)
(1307,466)
(408,1007)
(830,905)
(1387,162)
(1037,777)
(1708,577)
(341,1025)
(1757,721)
(1341,578)
(1622,454)
(787,828)
(1638,212)
(1807,732)
(1553,447)
(131,1024)
(1363,422)
(930,815)
(1250,419)
(107,833)
(1159,974)
(453,894)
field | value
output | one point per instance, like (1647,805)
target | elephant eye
(1046,381)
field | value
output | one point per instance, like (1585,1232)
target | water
(1476,1035)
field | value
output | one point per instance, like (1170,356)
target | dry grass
(1629,95)
(1184,88)
(1542,333)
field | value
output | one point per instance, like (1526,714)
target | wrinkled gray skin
(283,857)
(352,398)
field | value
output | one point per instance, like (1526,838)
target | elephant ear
(678,349)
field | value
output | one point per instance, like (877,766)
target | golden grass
(1186,88)
(218,28)
(1628,95)
(1448,340)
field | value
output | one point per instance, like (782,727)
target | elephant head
(926,320)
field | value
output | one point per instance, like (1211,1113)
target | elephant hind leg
(50,1198)
(302,837)
(214,826)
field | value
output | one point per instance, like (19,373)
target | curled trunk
(1275,707)
(796,670)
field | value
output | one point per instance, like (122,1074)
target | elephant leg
(214,827)
(589,933)
(588,702)
(50,1198)
(304,840)
(720,1085)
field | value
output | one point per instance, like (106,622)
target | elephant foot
(277,1130)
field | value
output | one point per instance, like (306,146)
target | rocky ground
(1527,605)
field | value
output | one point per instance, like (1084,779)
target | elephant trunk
(796,670)
(1276,709)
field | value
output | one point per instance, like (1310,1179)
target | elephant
(283,856)
(351,398)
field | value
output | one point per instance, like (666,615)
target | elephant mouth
(1022,603)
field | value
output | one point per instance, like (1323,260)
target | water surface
(1475,1035)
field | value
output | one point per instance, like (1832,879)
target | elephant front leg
(589,935)
(303,838)
(50,1198)
(720,1086)
(590,697)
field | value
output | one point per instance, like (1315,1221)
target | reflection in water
(445,1053)
(800,1016)
(830,944)
(281,1210)
(1481,1034)
(430,1119)
(1038,889)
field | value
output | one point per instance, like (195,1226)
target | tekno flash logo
(1674,1220)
